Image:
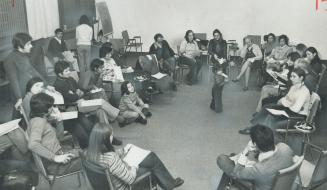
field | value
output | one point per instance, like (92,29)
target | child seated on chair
(131,106)
(217,89)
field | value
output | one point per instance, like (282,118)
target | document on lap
(9,126)
(134,154)
(277,112)
(69,115)
(159,75)
(89,105)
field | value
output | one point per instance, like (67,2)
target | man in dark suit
(269,161)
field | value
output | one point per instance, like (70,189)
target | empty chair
(135,42)
(313,175)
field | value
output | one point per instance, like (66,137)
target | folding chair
(321,75)
(135,42)
(100,178)
(39,163)
(313,175)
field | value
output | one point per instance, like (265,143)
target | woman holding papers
(124,172)
(43,138)
(131,106)
(272,90)
(294,104)
(218,50)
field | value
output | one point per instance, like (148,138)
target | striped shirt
(122,175)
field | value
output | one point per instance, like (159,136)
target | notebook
(89,105)
(135,155)
(9,126)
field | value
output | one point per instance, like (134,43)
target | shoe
(244,131)
(178,182)
(116,142)
(236,80)
(141,120)
(146,112)
(122,124)
(245,88)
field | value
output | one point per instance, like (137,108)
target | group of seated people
(286,98)
(294,80)
(42,104)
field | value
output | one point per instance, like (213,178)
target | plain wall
(235,18)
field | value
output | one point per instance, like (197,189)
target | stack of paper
(9,126)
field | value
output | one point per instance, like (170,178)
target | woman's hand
(65,158)
(18,103)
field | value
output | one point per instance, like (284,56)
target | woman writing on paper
(101,151)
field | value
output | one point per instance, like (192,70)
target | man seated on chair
(251,54)
(57,46)
(43,138)
(69,89)
(268,160)
(165,55)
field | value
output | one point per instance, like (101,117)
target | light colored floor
(187,135)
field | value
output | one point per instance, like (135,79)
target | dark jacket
(55,49)
(19,71)
(162,53)
(218,47)
(64,85)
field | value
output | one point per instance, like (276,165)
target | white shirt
(190,50)
(84,34)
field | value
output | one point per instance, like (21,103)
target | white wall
(235,18)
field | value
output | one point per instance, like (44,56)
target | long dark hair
(186,35)
(40,104)
(123,88)
(218,31)
(84,20)
(31,82)
(313,50)
(99,142)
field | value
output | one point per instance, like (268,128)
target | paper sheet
(69,115)
(277,112)
(135,155)
(159,75)
(9,126)
(89,105)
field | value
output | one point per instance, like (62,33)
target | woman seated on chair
(251,54)
(102,152)
(295,103)
(43,137)
(131,106)
(313,69)
(218,50)
(278,56)
(80,127)
(270,44)
(190,54)
(273,90)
